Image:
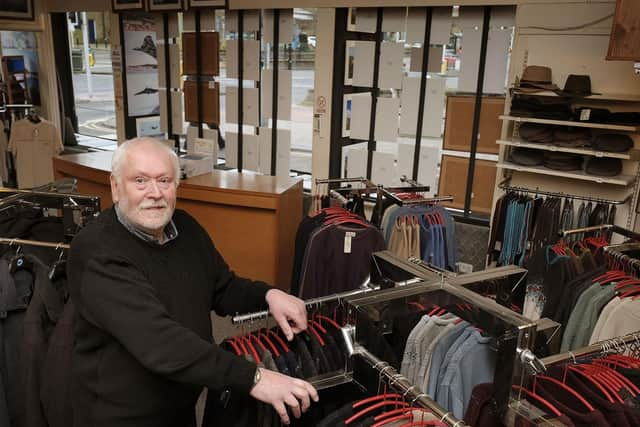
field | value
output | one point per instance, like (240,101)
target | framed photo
(207,3)
(149,126)
(16,9)
(127,4)
(164,5)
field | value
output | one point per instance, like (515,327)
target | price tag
(347,241)
(585,114)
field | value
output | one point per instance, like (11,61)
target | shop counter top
(251,218)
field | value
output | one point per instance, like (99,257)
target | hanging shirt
(622,319)
(33,146)
(472,364)
(438,354)
(335,262)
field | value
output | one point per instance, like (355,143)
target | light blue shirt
(474,363)
(437,357)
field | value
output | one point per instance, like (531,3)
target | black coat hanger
(59,268)
(33,116)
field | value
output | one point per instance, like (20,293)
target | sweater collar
(170,230)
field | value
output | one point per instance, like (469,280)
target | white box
(195,164)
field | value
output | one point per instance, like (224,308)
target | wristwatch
(257,377)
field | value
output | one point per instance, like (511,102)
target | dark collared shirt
(170,230)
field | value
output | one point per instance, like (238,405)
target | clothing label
(585,114)
(347,241)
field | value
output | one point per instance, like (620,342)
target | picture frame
(207,3)
(17,10)
(119,5)
(149,126)
(165,5)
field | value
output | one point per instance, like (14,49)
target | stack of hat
(572,136)
(535,132)
(541,107)
(562,161)
(526,156)
(604,166)
(536,78)
(613,142)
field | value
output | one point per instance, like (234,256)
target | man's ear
(114,188)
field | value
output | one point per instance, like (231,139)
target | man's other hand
(289,311)
(280,391)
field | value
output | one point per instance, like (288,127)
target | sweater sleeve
(116,297)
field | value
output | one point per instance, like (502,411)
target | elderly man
(144,278)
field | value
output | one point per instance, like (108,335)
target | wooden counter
(251,218)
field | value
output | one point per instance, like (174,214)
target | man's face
(146,189)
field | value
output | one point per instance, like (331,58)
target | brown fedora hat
(536,78)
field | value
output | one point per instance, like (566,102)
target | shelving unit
(614,97)
(623,180)
(605,126)
(630,155)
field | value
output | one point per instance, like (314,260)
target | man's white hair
(120,154)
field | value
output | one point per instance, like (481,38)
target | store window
(90,51)
(453,61)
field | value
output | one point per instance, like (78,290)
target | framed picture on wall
(207,3)
(16,9)
(127,4)
(164,5)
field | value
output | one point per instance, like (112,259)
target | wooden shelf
(620,97)
(623,180)
(571,123)
(581,151)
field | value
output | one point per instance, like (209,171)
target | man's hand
(280,391)
(289,311)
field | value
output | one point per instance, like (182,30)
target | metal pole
(476,111)
(85,44)
(423,88)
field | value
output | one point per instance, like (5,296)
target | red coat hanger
(329,320)
(393,419)
(280,341)
(397,403)
(240,343)
(235,347)
(599,386)
(620,379)
(565,388)
(270,344)
(417,305)
(376,398)
(257,341)
(630,291)
(318,326)
(610,273)
(613,279)
(538,399)
(252,350)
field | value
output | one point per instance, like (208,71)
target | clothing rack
(610,227)
(404,386)
(388,192)
(614,345)
(409,181)
(24,242)
(365,287)
(513,334)
(76,210)
(505,187)
(361,180)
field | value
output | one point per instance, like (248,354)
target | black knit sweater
(144,346)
